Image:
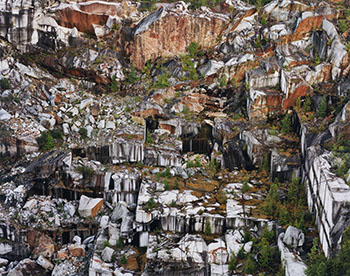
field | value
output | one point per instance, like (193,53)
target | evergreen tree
(322,109)
(249,265)
(232,262)
(307,104)
(286,124)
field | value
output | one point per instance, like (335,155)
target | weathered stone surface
(170,30)
(331,195)
(293,237)
(291,262)
(26,267)
(76,250)
(41,244)
(89,207)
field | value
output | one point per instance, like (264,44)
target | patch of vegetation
(106,244)
(5,84)
(86,171)
(48,139)
(195,164)
(293,211)
(188,66)
(114,85)
(232,263)
(124,259)
(322,109)
(317,59)
(286,124)
(207,228)
(131,76)
(318,265)
(83,132)
(120,243)
(307,104)
(166,184)
(263,20)
(150,205)
(223,81)
(149,138)
(162,81)
(193,49)
(343,26)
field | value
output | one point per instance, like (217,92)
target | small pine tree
(232,262)
(241,254)
(322,109)
(249,265)
(286,124)
(119,243)
(307,104)
(207,228)
(266,254)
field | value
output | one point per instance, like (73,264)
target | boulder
(3,262)
(45,263)
(107,254)
(89,207)
(41,244)
(76,250)
(294,237)
(26,267)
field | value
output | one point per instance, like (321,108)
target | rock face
(170,30)
(332,193)
(168,130)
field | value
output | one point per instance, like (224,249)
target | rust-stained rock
(62,254)
(76,250)
(41,244)
(27,267)
(263,103)
(169,31)
(83,21)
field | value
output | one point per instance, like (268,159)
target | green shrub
(83,132)
(343,26)
(193,49)
(263,20)
(150,205)
(149,138)
(258,42)
(131,76)
(124,259)
(166,184)
(223,81)
(5,84)
(45,141)
(166,173)
(120,243)
(186,110)
(317,59)
(86,171)
(176,184)
(161,82)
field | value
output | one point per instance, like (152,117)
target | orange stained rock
(172,34)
